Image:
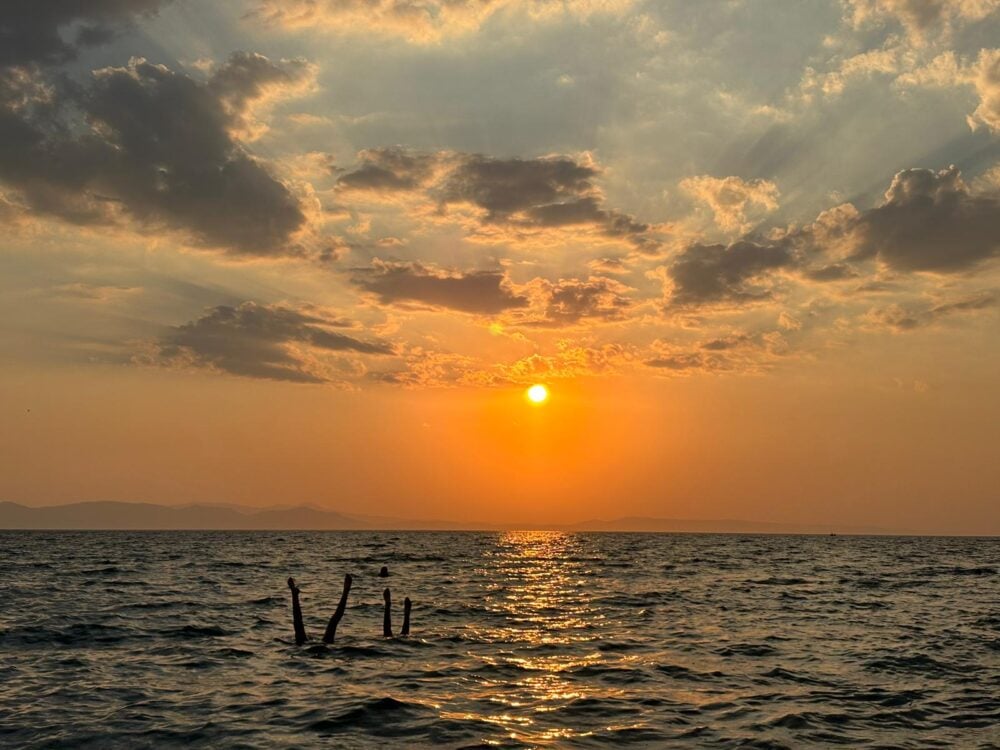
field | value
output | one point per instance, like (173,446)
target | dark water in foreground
(519,640)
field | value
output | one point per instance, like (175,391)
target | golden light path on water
(540,592)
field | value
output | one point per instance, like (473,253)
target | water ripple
(519,640)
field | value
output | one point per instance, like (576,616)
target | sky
(314,251)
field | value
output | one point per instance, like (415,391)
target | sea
(518,640)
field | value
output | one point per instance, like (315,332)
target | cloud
(520,195)
(570,360)
(86,292)
(476,292)
(248,80)
(986,79)
(898,318)
(982,74)
(505,187)
(734,273)
(894,316)
(920,18)
(547,192)
(570,301)
(420,21)
(427,368)
(929,221)
(390,170)
(976,302)
(723,343)
(736,353)
(538,304)
(988,181)
(10,212)
(612,265)
(789,322)
(678,361)
(151,144)
(262,341)
(831,272)
(865,65)
(732,198)
(37,32)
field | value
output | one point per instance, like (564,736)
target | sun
(538,394)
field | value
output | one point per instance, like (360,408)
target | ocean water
(518,640)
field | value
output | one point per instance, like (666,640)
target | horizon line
(400,524)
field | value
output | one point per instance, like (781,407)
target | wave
(779,673)
(194,631)
(909,664)
(747,649)
(774,581)
(678,672)
(607,640)
(384,717)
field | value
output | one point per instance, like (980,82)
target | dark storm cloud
(49,31)
(257,341)
(478,292)
(546,192)
(930,221)
(704,274)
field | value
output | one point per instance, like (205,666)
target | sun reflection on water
(539,601)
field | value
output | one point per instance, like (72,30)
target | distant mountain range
(148,516)
(725,525)
(210,517)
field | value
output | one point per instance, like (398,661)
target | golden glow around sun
(538,394)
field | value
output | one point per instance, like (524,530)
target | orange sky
(262,253)
(801,452)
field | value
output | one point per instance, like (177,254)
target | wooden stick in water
(406,617)
(331,627)
(300,629)
(387,617)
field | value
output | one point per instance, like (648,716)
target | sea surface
(181,639)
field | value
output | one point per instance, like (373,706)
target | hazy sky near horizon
(314,251)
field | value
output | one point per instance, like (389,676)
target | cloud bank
(262,341)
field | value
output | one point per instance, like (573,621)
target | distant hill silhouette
(211,517)
(726,525)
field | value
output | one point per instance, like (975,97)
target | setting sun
(538,394)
